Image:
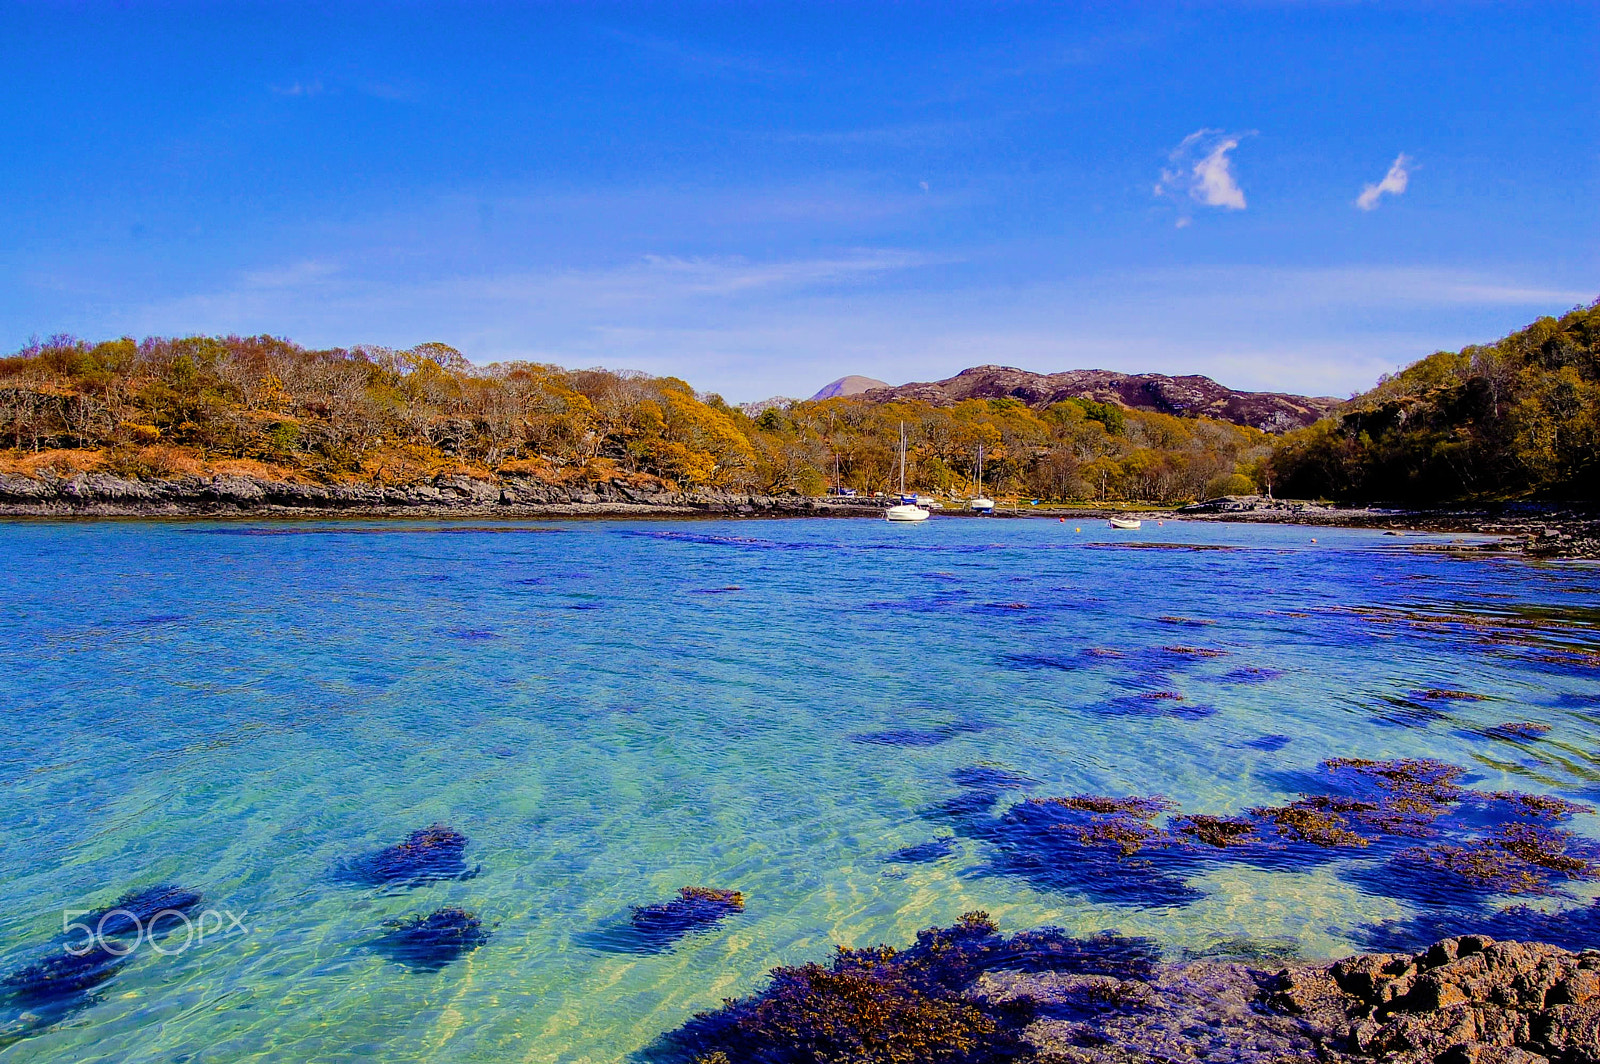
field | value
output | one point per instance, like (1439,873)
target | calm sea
(610,711)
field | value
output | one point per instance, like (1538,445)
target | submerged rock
(924,852)
(694,909)
(429,943)
(61,976)
(431,854)
(150,910)
(657,928)
(52,989)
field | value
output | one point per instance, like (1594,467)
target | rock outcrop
(1467,1000)
(1189,396)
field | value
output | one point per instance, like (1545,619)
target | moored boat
(1126,522)
(907,509)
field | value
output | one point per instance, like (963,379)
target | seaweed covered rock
(880,1004)
(694,909)
(150,910)
(61,976)
(1403,828)
(429,943)
(966,994)
(428,855)
(51,989)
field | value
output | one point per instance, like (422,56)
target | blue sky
(763,197)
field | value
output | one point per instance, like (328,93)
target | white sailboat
(982,503)
(906,511)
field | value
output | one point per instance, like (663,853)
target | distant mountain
(1190,396)
(851,385)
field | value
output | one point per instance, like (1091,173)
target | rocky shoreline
(104,495)
(1532,529)
(1536,529)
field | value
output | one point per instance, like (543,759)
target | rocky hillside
(1515,419)
(1191,396)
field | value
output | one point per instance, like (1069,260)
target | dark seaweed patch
(1415,831)
(966,808)
(922,736)
(1269,743)
(1001,608)
(1039,662)
(472,634)
(1517,731)
(903,737)
(60,977)
(881,1004)
(1154,704)
(429,943)
(149,910)
(1250,674)
(1574,929)
(983,777)
(1105,848)
(924,852)
(657,928)
(1406,713)
(431,854)
(1437,696)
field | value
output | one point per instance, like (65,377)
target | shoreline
(968,992)
(1533,529)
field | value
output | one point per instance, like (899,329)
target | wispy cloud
(298,88)
(1394,183)
(1201,171)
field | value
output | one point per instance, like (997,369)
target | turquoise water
(611,711)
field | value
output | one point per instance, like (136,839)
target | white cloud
(298,88)
(1202,172)
(1394,182)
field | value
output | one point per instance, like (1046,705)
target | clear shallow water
(237,708)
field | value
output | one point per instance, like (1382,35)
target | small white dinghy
(1126,522)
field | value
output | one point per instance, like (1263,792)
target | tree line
(167,406)
(1519,418)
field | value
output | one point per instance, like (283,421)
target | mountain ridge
(1192,395)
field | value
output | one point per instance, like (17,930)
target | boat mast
(902,458)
